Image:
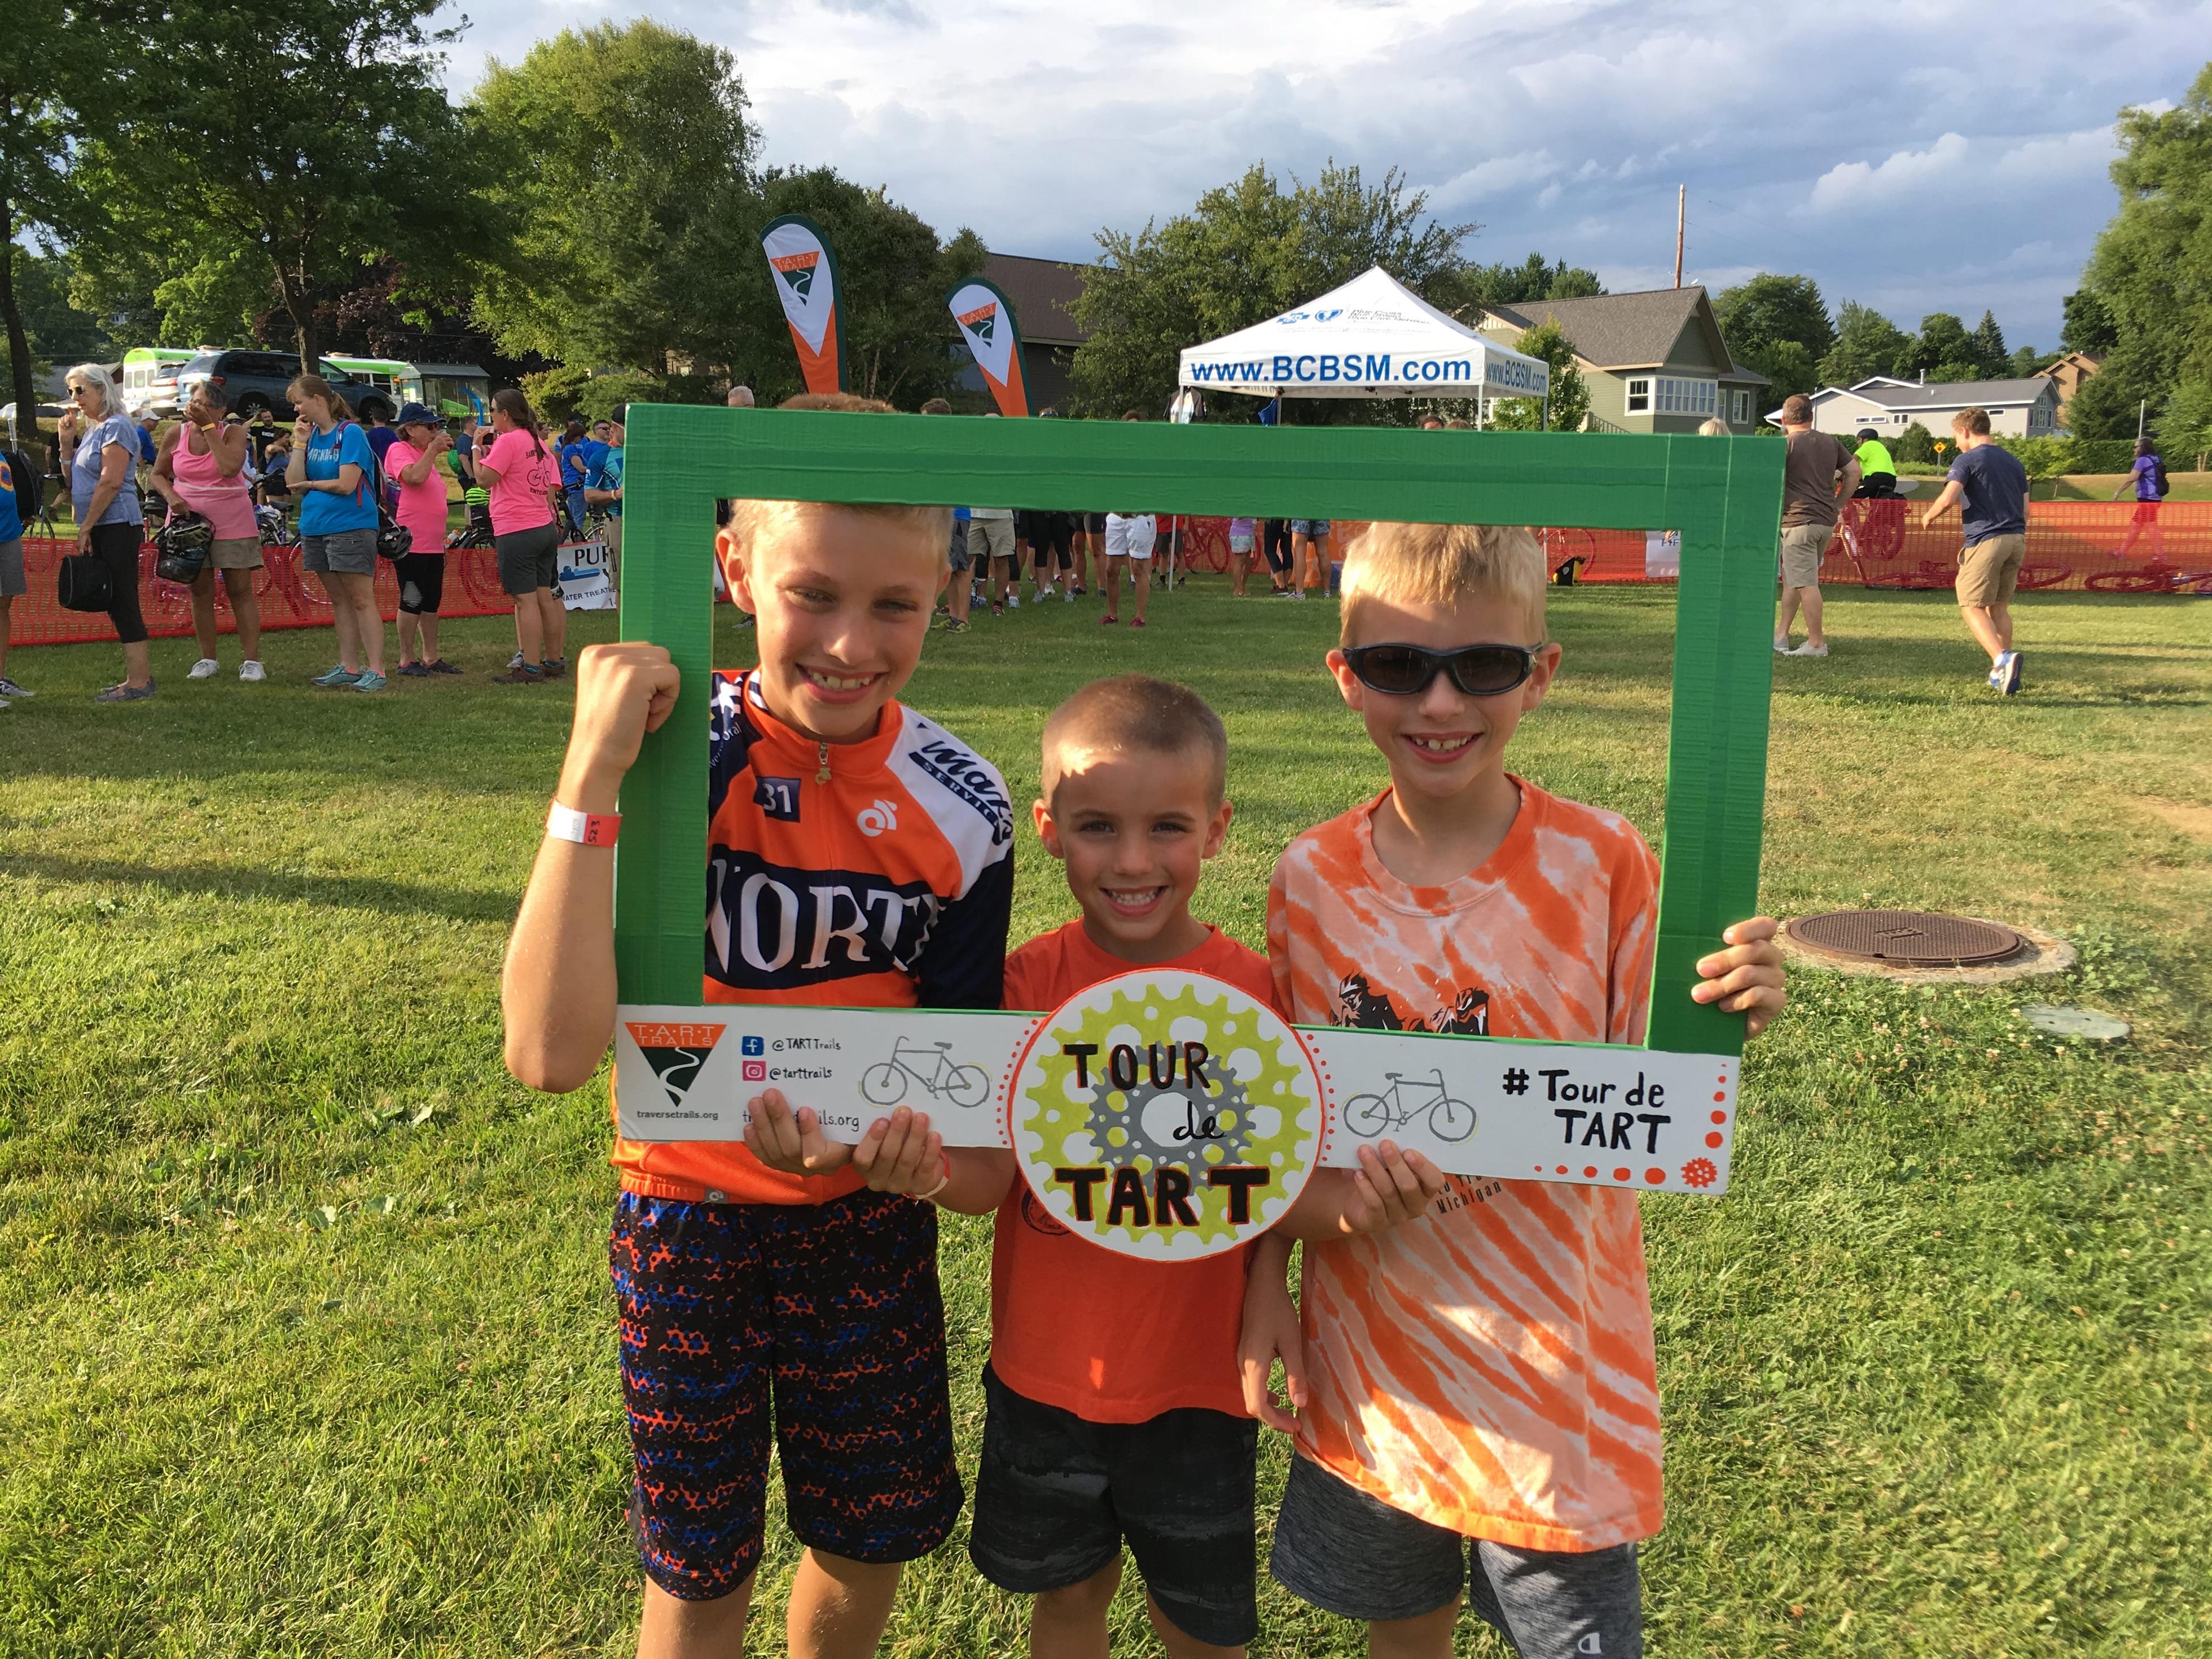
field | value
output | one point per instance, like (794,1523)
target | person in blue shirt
(332,469)
(603,493)
(1993,485)
(2146,479)
(576,452)
(11,572)
(382,435)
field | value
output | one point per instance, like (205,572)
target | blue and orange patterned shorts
(828,1314)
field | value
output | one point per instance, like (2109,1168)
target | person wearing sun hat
(411,464)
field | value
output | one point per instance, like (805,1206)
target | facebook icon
(752,1046)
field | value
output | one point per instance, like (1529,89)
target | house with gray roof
(1654,361)
(2017,409)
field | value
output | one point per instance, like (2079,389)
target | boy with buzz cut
(1113,1411)
(1485,1377)
(857,854)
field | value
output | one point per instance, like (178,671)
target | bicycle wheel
(1451,1120)
(883,1084)
(1367,1116)
(969,1085)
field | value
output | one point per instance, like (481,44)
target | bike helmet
(181,546)
(1868,435)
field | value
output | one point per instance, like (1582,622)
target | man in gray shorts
(1811,499)
(958,594)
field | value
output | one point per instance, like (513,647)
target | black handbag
(82,583)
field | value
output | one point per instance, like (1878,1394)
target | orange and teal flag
(986,319)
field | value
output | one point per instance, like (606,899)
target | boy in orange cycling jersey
(859,855)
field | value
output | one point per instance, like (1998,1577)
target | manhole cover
(1910,938)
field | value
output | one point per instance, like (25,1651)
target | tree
(42,49)
(1570,399)
(1461,290)
(1916,444)
(1942,350)
(2151,271)
(2026,360)
(1778,325)
(2088,326)
(625,160)
(1867,344)
(1247,250)
(1989,343)
(60,333)
(278,151)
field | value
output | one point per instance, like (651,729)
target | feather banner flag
(986,318)
(805,274)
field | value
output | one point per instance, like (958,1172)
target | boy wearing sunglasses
(1477,1398)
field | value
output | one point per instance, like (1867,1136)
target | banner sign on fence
(586,577)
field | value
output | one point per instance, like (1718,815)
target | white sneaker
(1809,649)
(252,670)
(205,669)
(1781,644)
(1068,594)
(1013,601)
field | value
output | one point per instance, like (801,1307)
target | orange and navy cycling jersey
(877,874)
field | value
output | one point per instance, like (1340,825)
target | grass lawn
(313,1344)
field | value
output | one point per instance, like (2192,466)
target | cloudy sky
(1950,154)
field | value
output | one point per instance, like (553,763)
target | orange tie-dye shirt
(1489,1367)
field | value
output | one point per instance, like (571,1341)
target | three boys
(1446,657)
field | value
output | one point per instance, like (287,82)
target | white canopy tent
(1373,338)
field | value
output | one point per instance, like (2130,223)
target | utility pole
(1681,213)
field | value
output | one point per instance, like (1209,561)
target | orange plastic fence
(2104,547)
(289,597)
(2100,547)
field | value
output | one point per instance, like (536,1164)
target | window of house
(1639,397)
(1675,396)
(1743,410)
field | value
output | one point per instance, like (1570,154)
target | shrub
(1916,444)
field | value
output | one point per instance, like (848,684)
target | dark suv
(254,382)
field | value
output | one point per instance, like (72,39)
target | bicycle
(884,1084)
(1369,1115)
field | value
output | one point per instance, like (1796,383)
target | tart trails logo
(676,1052)
(798,269)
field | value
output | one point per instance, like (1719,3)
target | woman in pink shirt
(201,469)
(520,475)
(411,465)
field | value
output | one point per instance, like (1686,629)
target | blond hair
(1435,566)
(1976,421)
(753,520)
(1136,711)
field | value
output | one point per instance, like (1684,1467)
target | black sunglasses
(1407,671)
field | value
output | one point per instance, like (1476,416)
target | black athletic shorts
(422,582)
(1095,522)
(1056,1497)
(529,560)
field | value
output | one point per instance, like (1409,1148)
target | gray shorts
(529,560)
(1802,548)
(12,569)
(348,553)
(1355,1556)
(958,554)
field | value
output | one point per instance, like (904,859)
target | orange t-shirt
(884,884)
(1490,1367)
(1109,1337)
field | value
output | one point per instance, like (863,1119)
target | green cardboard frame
(1724,496)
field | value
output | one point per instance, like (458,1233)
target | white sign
(1152,1070)
(585,577)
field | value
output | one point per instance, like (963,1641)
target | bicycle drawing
(932,1069)
(1369,1115)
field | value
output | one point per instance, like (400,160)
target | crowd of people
(216,491)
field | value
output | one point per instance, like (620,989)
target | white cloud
(1857,184)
